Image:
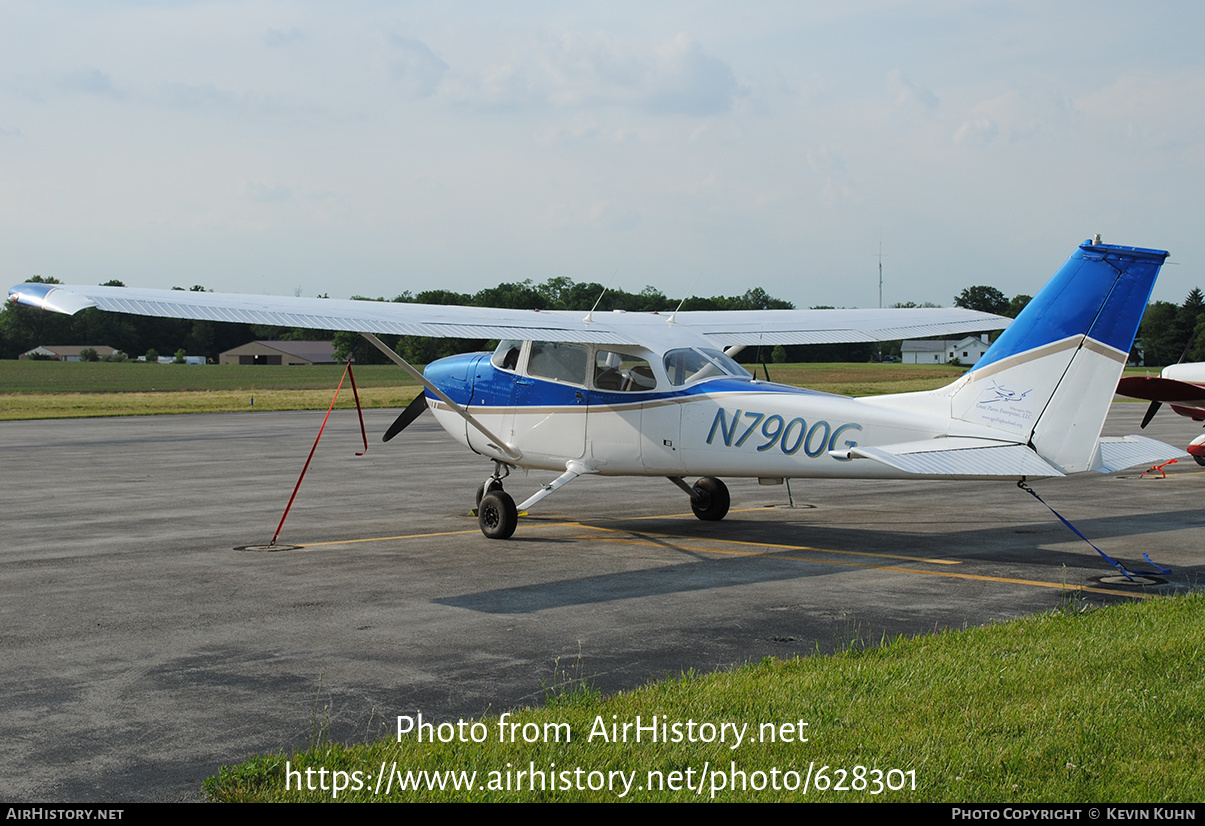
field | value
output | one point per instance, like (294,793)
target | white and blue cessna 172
(660,395)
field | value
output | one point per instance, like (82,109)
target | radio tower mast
(879,357)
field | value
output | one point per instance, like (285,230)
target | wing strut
(510,451)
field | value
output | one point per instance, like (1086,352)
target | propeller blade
(412,412)
(1150,413)
(1191,340)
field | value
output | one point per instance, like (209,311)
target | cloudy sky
(374,147)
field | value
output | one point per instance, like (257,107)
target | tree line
(1171,332)
(1168,333)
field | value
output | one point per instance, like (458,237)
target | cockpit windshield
(506,354)
(691,364)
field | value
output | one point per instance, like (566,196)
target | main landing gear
(709,497)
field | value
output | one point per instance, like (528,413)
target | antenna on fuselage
(590,315)
(674,314)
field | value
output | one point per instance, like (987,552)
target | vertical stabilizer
(1049,378)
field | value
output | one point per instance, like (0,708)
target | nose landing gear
(497,515)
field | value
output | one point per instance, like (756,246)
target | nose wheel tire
(712,502)
(497,515)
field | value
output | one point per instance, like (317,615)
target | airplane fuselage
(727,425)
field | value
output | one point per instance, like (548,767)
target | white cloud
(415,67)
(274,38)
(579,127)
(908,95)
(685,80)
(580,70)
(607,215)
(266,191)
(979,130)
(1146,109)
(825,159)
(90,82)
(1014,116)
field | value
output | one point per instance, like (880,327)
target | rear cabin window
(622,372)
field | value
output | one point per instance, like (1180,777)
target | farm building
(281,352)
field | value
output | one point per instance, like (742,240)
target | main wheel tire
(1200,460)
(713,502)
(487,487)
(497,515)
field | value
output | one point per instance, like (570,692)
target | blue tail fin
(1100,292)
(1049,378)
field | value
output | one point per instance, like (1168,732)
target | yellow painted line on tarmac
(526,527)
(382,538)
(848,564)
(675,542)
(797,547)
(691,513)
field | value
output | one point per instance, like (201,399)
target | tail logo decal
(1002,406)
(1000,393)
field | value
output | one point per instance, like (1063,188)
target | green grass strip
(55,390)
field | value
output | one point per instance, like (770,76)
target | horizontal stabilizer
(959,457)
(1121,452)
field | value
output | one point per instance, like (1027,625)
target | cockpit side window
(557,360)
(622,372)
(506,354)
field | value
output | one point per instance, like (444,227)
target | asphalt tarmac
(141,651)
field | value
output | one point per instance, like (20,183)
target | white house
(935,351)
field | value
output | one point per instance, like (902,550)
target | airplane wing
(715,328)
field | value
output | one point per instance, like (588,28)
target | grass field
(52,390)
(55,390)
(46,390)
(1070,707)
